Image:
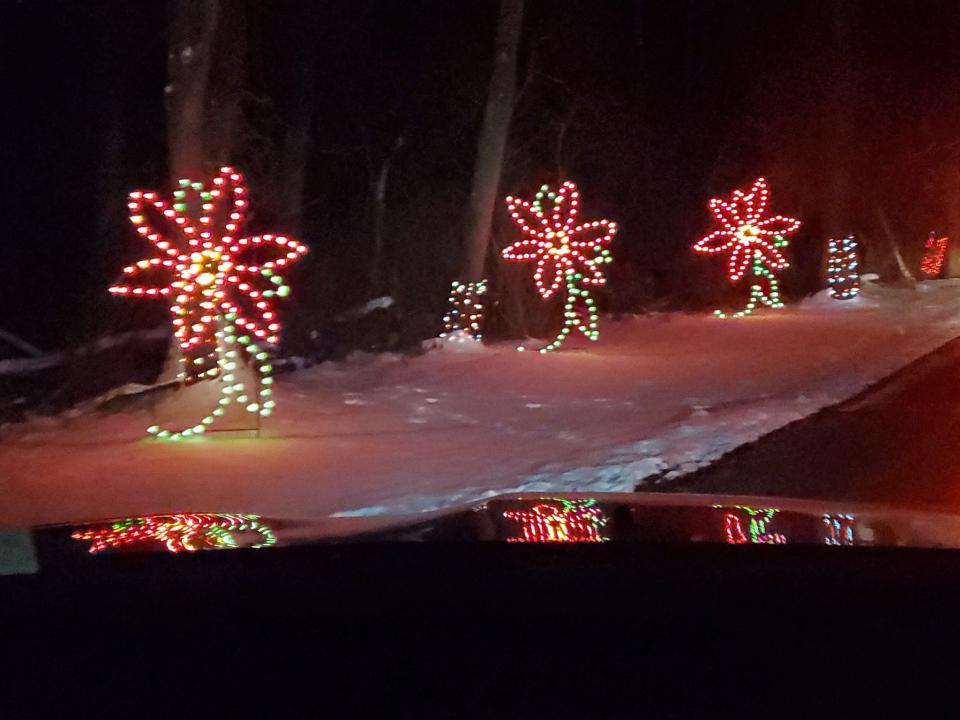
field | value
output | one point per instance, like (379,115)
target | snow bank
(657,397)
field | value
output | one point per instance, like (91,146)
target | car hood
(538,518)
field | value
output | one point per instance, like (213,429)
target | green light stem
(230,350)
(578,304)
(764,290)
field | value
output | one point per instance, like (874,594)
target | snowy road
(657,396)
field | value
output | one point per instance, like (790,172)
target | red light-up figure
(221,287)
(568,254)
(934,252)
(754,243)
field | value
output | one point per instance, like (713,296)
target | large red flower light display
(753,242)
(568,253)
(221,286)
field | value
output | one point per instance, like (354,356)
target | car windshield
(529,270)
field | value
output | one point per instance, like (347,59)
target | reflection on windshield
(839,529)
(757,521)
(177,532)
(557,520)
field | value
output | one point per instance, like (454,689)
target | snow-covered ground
(383,435)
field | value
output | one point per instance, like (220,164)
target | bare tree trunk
(293,170)
(111,216)
(379,194)
(493,138)
(379,215)
(192,32)
(839,122)
(205,65)
(296,139)
(559,149)
(225,86)
(906,277)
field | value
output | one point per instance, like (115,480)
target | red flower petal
(526,249)
(726,214)
(773,258)
(256,314)
(265,251)
(717,241)
(777,225)
(592,273)
(146,278)
(565,207)
(156,220)
(221,218)
(742,208)
(548,276)
(753,205)
(597,234)
(526,218)
(739,260)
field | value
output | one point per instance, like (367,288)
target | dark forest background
(851,110)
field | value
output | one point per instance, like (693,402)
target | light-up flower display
(221,287)
(752,241)
(567,253)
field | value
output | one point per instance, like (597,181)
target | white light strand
(843,268)
(465,309)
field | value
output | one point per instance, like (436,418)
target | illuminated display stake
(839,529)
(843,268)
(465,311)
(757,531)
(569,254)
(934,253)
(559,520)
(754,244)
(221,288)
(177,532)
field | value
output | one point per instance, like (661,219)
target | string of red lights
(934,253)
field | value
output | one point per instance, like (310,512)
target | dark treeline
(357,127)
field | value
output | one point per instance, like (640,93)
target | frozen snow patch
(362,512)
(458,341)
(379,303)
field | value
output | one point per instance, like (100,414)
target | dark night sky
(672,102)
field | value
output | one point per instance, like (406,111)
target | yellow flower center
(204,267)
